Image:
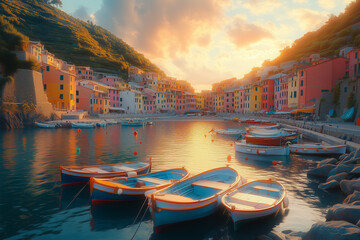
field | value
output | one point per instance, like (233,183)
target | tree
(54,2)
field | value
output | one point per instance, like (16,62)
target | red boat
(252,122)
(270,140)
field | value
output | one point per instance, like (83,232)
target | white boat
(317,149)
(46,125)
(133,122)
(243,147)
(101,124)
(82,125)
(229,131)
(254,200)
(266,126)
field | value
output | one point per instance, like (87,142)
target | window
(61,77)
(295,83)
(79,72)
(47,68)
(302,83)
(61,87)
(302,73)
(294,94)
(77,100)
(356,55)
(255,98)
(301,93)
(120,99)
(61,96)
(255,105)
(90,101)
(355,69)
(44,87)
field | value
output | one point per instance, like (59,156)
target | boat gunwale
(224,202)
(237,180)
(330,147)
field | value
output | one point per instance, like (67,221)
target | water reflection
(34,204)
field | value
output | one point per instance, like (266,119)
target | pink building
(319,78)
(190,101)
(108,81)
(180,105)
(89,98)
(354,63)
(229,100)
(280,91)
(267,98)
(84,73)
(114,97)
(149,98)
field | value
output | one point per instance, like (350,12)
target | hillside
(338,31)
(71,39)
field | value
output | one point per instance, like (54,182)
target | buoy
(229,158)
(140,142)
(274,163)
(132,129)
(79,130)
(231,144)
(257,151)
(149,158)
(205,135)
(135,152)
(135,133)
(212,140)
(246,158)
(77,150)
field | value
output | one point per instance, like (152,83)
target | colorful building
(267,96)
(281,92)
(131,101)
(255,97)
(149,99)
(84,73)
(293,90)
(229,101)
(90,98)
(354,63)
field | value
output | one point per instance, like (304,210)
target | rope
(139,211)
(139,223)
(77,195)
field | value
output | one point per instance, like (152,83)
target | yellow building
(246,105)
(219,102)
(255,97)
(121,85)
(200,101)
(293,90)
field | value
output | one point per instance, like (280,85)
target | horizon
(212,40)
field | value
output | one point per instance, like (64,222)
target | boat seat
(122,168)
(154,180)
(94,170)
(254,198)
(266,188)
(211,184)
(173,198)
(239,206)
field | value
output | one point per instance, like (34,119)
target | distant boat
(82,125)
(132,188)
(45,125)
(101,124)
(82,174)
(229,131)
(193,198)
(133,122)
(255,200)
(317,149)
(243,147)
(272,137)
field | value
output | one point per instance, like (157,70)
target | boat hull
(99,196)
(270,141)
(79,125)
(318,150)
(238,217)
(261,150)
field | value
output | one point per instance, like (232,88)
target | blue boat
(132,188)
(82,174)
(348,114)
(133,122)
(193,198)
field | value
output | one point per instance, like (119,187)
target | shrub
(351,101)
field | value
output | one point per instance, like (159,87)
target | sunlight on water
(33,202)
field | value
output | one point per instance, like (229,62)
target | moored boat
(82,125)
(193,198)
(266,126)
(254,200)
(45,125)
(132,188)
(262,138)
(82,174)
(317,149)
(229,131)
(243,147)
(133,122)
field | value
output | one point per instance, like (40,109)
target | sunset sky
(206,41)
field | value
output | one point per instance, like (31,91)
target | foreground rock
(349,186)
(332,184)
(346,212)
(284,235)
(322,171)
(333,230)
(352,198)
(340,169)
(332,161)
(338,177)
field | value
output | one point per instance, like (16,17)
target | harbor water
(34,205)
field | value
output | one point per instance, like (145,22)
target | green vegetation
(337,32)
(351,101)
(336,91)
(71,39)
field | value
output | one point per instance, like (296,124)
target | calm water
(33,204)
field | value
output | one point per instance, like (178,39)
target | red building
(267,98)
(229,100)
(354,63)
(319,78)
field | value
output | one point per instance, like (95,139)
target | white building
(131,101)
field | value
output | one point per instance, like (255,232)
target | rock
(349,161)
(322,171)
(332,161)
(358,223)
(276,235)
(355,196)
(342,156)
(356,153)
(340,168)
(356,170)
(338,177)
(349,186)
(345,212)
(292,235)
(333,230)
(357,202)
(329,185)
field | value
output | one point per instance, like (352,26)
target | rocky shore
(343,219)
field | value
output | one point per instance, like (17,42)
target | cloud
(243,33)
(82,13)
(261,6)
(301,1)
(162,27)
(327,4)
(308,19)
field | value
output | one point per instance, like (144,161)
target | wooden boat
(45,125)
(317,149)
(229,131)
(255,200)
(133,123)
(82,174)
(252,122)
(192,198)
(132,188)
(266,126)
(270,137)
(243,147)
(82,125)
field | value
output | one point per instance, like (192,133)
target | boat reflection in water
(68,199)
(261,161)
